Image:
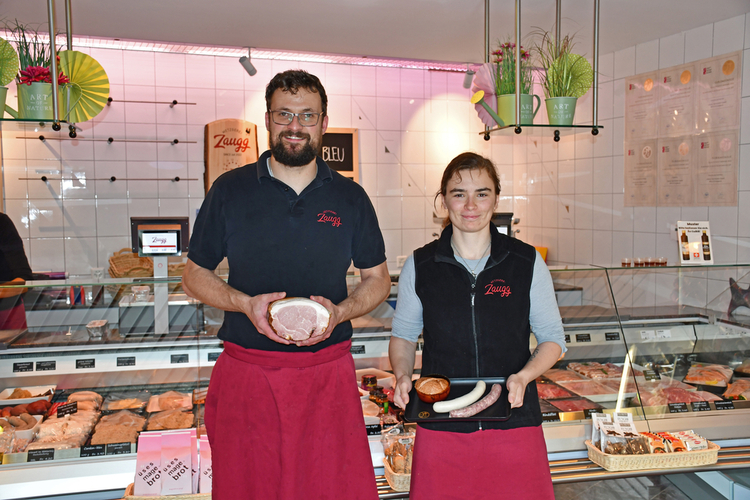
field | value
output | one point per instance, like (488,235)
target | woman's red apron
(287,426)
(483,465)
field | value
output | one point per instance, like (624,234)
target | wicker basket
(126,264)
(654,460)
(397,482)
(197,496)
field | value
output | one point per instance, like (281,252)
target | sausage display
(480,405)
(460,402)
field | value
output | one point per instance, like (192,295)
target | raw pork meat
(552,391)
(298,318)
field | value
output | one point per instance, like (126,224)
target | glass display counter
(633,335)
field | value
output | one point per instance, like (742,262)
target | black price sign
(46,366)
(119,448)
(551,416)
(678,407)
(583,337)
(651,375)
(589,411)
(126,361)
(724,405)
(701,406)
(67,409)
(26,366)
(179,358)
(357,349)
(373,429)
(213,356)
(85,363)
(41,455)
(94,450)
(612,336)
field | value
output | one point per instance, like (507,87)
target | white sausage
(461,402)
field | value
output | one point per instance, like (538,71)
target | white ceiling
(438,30)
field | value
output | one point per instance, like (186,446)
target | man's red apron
(13,318)
(287,426)
(483,465)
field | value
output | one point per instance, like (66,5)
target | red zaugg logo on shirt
(497,286)
(329,216)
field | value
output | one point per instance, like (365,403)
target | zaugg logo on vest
(497,286)
(329,216)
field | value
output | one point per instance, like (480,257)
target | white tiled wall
(568,195)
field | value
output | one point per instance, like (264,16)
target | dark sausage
(480,405)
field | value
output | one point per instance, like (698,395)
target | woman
(475,294)
(14,270)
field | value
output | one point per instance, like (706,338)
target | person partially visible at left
(14,271)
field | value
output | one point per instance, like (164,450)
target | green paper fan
(582,75)
(88,90)
(8,63)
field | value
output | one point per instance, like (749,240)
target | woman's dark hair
(466,161)
(291,81)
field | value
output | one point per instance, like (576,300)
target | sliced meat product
(552,391)
(298,318)
(708,374)
(480,405)
(557,375)
(574,404)
(587,388)
(735,390)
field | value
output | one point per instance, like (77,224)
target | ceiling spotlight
(468,77)
(247,64)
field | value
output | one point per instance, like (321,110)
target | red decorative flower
(39,74)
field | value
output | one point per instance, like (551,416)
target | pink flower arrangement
(39,74)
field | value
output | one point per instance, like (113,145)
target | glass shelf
(535,130)
(29,120)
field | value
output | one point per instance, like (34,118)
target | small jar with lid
(369,382)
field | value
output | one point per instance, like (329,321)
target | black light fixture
(247,64)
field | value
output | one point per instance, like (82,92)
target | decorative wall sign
(229,143)
(340,150)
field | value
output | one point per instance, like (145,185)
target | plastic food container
(141,293)
(97,328)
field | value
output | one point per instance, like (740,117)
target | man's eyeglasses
(305,119)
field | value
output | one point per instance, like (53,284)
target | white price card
(663,334)
(648,334)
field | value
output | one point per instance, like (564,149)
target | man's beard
(301,156)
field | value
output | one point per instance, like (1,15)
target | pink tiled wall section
(568,195)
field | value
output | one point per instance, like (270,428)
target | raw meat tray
(419,411)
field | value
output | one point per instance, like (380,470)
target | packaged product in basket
(692,440)
(612,442)
(655,443)
(205,466)
(398,447)
(672,443)
(634,443)
(176,464)
(596,419)
(148,465)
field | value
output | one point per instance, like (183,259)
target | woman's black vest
(487,339)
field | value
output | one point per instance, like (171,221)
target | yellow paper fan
(87,93)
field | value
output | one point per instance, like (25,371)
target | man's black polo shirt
(276,241)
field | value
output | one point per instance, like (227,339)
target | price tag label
(701,406)
(663,334)
(724,405)
(179,358)
(651,375)
(551,416)
(357,349)
(85,363)
(26,366)
(612,336)
(94,450)
(373,429)
(648,334)
(583,337)
(46,366)
(41,455)
(67,409)
(118,448)
(589,411)
(678,407)
(567,338)
(126,361)
(213,356)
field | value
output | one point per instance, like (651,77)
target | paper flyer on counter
(675,172)
(640,174)
(719,90)
(716,172)
(677,100)
(694,241)
(641,99)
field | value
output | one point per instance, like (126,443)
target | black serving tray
(419,411)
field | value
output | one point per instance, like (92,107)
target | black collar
(499,248)
(324,171)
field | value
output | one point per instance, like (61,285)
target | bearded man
(284,417)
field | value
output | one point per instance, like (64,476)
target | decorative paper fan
(89,85)
(581,72)
(8,63)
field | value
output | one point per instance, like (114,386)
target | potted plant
(8,70)
(505,85)
(564,76)
(34,81)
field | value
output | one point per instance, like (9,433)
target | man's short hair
(291,81)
